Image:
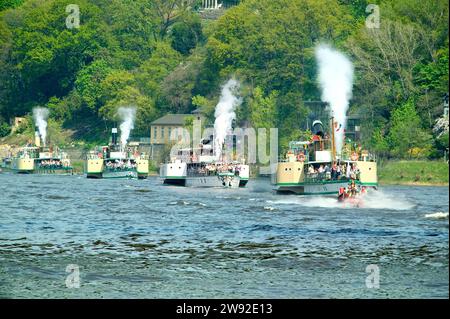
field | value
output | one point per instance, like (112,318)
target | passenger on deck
(327,171)
(352,188)
(334,173)
(356,170)
(321,172)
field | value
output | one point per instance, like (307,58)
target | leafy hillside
(162,57)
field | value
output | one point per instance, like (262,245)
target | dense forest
(163,57)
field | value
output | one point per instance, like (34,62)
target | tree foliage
(161,56)
(406,135)
(10,4)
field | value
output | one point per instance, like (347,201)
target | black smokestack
(114,136)
(317,128)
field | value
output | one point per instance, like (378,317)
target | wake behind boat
(353,194)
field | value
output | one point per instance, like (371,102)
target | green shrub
(5,129)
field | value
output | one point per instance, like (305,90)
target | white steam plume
(225,114)
(127,115)
(336,81)
(40,116)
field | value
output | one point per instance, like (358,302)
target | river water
(140,239)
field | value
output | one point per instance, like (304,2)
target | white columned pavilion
(210,4)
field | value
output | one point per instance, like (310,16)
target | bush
(420,152)
(5,129)
(187,34)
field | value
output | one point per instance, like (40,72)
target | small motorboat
(352,195)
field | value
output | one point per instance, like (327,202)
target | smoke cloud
(40,116)
(127,115)
(336,81)
(225,114)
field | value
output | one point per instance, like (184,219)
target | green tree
(167,12)
(270,45)
(44,55)
(400,60)
(132,29)
(153,71)
(5,129)
(186,34)
(88,80)
(379,143)
(206,106)
(406,136)
(64,109)
(8,4)
(434,75)
(113,83)
(178,88)
(131,97)
(263,109)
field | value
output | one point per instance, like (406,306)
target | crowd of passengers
(52,164)
(214,169)
(118,165)
(333,172)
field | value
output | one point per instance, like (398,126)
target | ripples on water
(140,239)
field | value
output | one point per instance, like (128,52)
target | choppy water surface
(140,239)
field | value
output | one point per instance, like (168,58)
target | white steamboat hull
(176,174)
(325,188)
(213,181)
(120,174)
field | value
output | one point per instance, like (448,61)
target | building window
(155,133)
(169,131)
(162,132)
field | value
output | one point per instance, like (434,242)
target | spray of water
(437,215)
(336,81)
(225,114)
(127,115)
(40,116)
(373,200)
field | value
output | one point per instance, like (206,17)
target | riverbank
(78,166)
(423,173)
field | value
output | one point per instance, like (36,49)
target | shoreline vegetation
(413,173)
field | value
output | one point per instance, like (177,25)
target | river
(141,239)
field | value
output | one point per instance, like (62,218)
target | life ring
(354,156)
(301,157)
